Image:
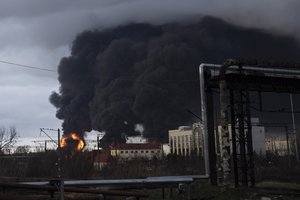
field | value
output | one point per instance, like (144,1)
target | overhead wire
(280,110)
(103,78)
(27,66)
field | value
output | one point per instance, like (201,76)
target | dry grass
(277,184)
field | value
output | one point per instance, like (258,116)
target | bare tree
(8,137)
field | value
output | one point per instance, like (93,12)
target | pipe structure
(51,188)
(202,68)
(248,66)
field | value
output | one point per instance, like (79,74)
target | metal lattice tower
(242,150)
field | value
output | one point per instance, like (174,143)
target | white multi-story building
(185,140)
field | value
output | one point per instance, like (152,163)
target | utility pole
(59,159)
(294,127)
(60,166)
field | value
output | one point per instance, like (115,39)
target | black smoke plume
(141,73)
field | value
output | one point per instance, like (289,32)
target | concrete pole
(60,167)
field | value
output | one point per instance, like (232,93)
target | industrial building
(131,151)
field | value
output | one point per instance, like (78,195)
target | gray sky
(39,33)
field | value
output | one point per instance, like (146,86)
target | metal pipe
(73,189)
(271,70)
(204,112)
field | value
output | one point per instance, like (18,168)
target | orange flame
(72,136)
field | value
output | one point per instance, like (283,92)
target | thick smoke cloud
(141,73)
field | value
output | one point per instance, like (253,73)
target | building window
(126,151)
(131,151)
(142,151)
(136,151)
(146,151)
(152,151)
(121,151)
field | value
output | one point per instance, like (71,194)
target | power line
(27,66)
(147,80)
(280,110)
(104,78)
